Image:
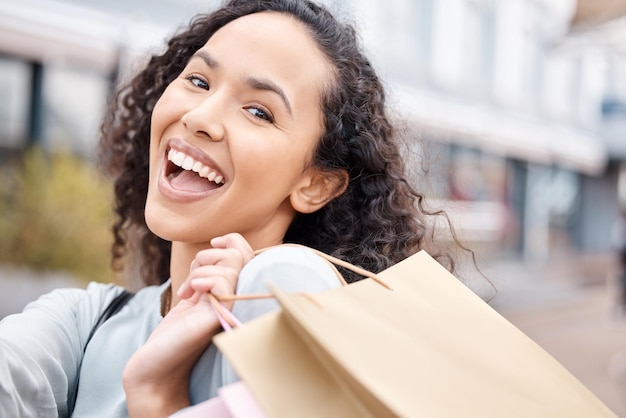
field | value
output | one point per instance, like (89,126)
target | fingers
(234,241)
(217,269)
(217,279)
(226,257)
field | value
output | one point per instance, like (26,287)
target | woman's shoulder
(93,294)
(288,267)
(84,305)
(293,266)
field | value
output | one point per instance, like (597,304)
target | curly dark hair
(378,221)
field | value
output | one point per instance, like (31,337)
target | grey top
(41,349)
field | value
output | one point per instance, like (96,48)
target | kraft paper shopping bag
(426,347)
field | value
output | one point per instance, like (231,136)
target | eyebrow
(253,82)
(267,85)
(207,58)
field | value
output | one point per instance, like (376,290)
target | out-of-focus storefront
(516,107)
(59,61)
(512,183)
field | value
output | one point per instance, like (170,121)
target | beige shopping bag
(232,401)
(427,347)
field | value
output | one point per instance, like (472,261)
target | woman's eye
(260,113)
(198,81)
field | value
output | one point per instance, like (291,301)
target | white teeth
(178,159)
(188,163)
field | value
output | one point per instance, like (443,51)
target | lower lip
(180,196)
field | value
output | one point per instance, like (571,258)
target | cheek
(160,114)
(157,129)
(163,115)
(168,108)
(278,163)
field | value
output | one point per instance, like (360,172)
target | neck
(180,262)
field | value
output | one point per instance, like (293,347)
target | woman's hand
(216,270)
(156,378)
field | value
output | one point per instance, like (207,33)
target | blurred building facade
(58,61)
(521,104)
(525,102)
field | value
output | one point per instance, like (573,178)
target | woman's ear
(317,188)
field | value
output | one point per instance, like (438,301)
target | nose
(204,118)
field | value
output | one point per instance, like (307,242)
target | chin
(160,223)
(170,227)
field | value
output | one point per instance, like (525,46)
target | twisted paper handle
(229,321)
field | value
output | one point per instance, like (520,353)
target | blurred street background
(513,111)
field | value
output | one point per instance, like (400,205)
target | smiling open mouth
(185,173)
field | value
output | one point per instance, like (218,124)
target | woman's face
(232,136)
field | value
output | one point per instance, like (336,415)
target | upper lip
(197,154)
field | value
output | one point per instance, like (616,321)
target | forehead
(272,45)
(279,28)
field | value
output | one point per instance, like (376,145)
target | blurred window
(74,101)
(477,175)
(479,45)
(14,101)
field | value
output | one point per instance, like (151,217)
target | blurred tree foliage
(56,213)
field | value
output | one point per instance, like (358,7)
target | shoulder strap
(114,307)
